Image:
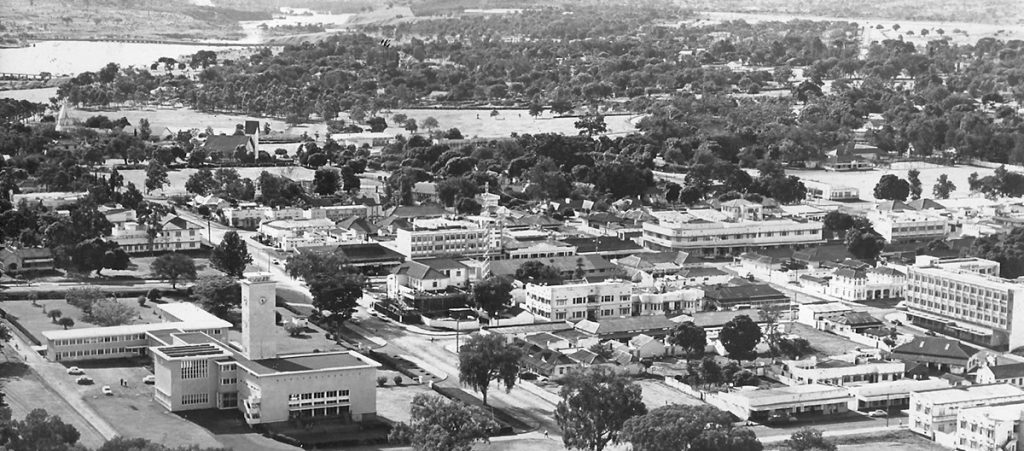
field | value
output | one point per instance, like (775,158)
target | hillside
(152,19)
(979,11)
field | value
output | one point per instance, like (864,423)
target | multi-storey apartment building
(933,411)
(738,226)
(962,297)
(988,428)
(439,237)
(580,300)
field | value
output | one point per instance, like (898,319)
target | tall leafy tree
(535,271)
(156,176)
(487,358)
(217,294)
(492,294)
(231,256)
(739,336)
(1007,249)
(325,181)
(38,431)
(174,266)
(809,439)
(943,187)
(595,404)
(690,337)
(693,428)
(865,244)
(891,187)
(914,178)
(437,424)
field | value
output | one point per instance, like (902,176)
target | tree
(809,439)
(411,125)
(739,336)
(486,358)
(38,431)
(202,183)
(66,322)
(316,159)
(914,178)
(174,266)
(891,187)
(745,378)
(437,424)
(837,221)
(54,315)
(337,293)
(690,337)
(864,244)
(492,294)
(1007,249)
(430,123)
(943,187)
(591,124)
(325,181)
(131,198)
(110,312)
(693,428)
(537,272)
(217,294)
(144,128)
(595,404)
(115,258)
(377,124)
(710,371)
(156,176)
(231,256)
(795,348)
(153,295)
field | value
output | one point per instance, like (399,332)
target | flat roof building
(798,400)
(935,411)
(737,227)
(889,395)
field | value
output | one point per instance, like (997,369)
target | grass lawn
(141,267)
(824,343)
(393,401)
(657,394)
(33,318)
(132,410)
(902,440)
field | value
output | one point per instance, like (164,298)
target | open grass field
(657,394)
(35,320)
(865,180)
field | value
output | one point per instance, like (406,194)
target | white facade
(811,371)
(442,238)
(812,314)
(287,234)
(935,411)
(175,234)
(683,300)
(907,225)
(826,191)
(963,297)
(574,301)
(717,232)
(989,428)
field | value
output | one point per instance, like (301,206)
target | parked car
(75,371)
(107,391)
(151,379)
(277,262)
(930,333)
(84,380)
(897,322)
(878,413)
(781,419)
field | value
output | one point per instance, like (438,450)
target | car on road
(781,419)
(878,413)
(897,322)
(75,371)
(84,380)
(277,262)
(151,379)
(930,333)
(107,391)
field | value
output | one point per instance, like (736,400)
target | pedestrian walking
(546,433)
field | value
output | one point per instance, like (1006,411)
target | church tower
(258,301)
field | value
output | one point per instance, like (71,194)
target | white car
(107,391)
(151,379)
(75,371)
(878,413)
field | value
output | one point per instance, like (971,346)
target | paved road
(55,377)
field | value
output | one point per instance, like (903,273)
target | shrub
(382,381)
(398,380)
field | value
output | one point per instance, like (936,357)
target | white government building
(197,368)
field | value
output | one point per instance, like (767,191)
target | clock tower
(258,322)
